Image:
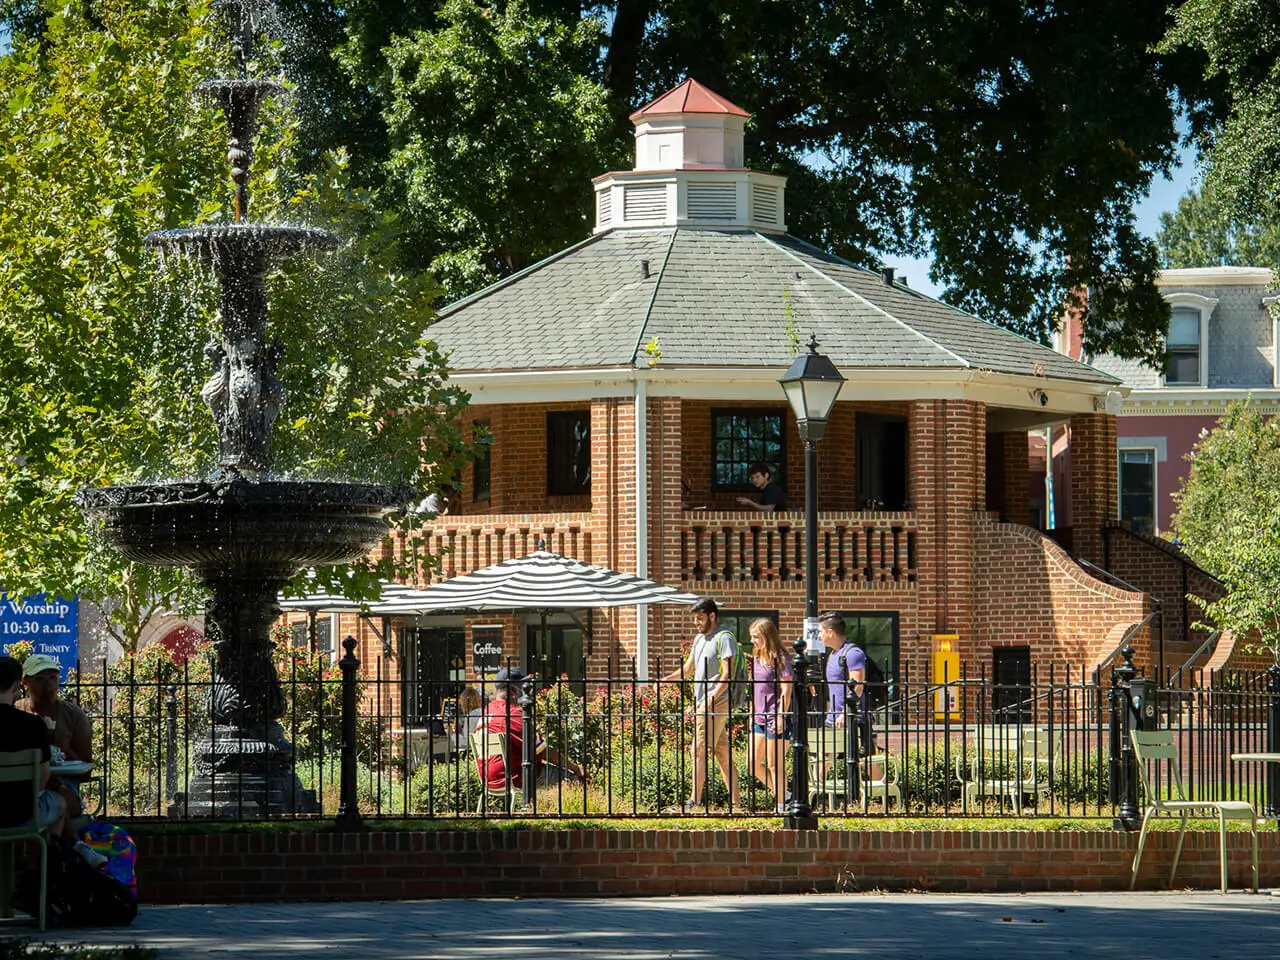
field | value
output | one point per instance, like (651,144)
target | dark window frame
(893,676)
(1184,350)
(482,466)
(1153,495)
(566,474)
(777,463)
(748,615)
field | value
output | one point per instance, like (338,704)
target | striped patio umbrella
(335,603)
(539,581)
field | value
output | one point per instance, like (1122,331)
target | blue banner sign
(51,625)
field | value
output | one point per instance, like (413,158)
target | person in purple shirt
(845,662)
(770,707)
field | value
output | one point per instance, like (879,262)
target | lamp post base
(795,822)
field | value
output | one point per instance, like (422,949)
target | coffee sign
(486,648)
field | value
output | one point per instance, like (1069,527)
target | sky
(1163,197)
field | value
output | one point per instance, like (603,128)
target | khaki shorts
(714,715)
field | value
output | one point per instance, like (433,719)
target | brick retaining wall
(222,868)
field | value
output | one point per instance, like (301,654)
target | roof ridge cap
(857,296)
(653,297)
(967,313)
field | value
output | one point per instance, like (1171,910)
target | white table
(75,773)
(424,746)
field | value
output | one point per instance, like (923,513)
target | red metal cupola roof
(689,97)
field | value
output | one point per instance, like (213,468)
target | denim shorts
(50,809)
(772,734)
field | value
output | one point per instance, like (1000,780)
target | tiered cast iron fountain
(243,532)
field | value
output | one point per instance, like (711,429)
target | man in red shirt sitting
(503,715)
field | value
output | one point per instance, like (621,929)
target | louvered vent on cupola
(604,206)
(713,201)
(764,203)
(647,202)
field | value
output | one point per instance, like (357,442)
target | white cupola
(689,170)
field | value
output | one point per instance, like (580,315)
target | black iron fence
(1050,745)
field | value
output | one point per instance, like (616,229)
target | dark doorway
(435,672)
(1012,696)
(880,461)
(555,652)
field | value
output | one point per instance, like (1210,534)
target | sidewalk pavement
(1128,926)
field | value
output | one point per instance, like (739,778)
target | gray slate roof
(1134,373)
(718,298)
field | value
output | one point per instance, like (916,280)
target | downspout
(641,409)
(642,523)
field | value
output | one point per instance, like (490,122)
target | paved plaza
(1167,926)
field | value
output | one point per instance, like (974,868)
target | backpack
(740,677)
(84,896)
(119,849)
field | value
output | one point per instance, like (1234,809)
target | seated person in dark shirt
(772,496)
(20,730)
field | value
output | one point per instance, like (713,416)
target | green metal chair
(485,744)
(17,767)
(1155,746)
(879,771)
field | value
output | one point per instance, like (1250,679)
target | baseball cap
(508,676)
(39,663)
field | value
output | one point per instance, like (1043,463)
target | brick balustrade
(468,543)
(228,867)
(717,546)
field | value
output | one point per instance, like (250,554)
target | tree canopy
(101,354)
(1239,43)
(1205,231)
(1011,139)
(1228,518)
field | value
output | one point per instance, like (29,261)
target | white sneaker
(91,856)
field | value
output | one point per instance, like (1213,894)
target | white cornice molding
(1215,277)
(758,384)
(1169,402)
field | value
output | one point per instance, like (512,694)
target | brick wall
(1094,493)
(518,460)
(837,476)
(960,578)
(1162,570)
(1031,592)
(242,867)
(1008,464)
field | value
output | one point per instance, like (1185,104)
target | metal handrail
(1177,674)
(1128,634)
(1093,567)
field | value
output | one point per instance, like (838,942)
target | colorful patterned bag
(119,849)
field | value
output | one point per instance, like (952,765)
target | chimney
(886,276)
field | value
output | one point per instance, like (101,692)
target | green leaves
(1206,230)
(1229,520)
(101,350)
(495,127)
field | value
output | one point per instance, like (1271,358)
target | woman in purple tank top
(770,707)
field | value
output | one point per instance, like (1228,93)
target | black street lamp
(811,384)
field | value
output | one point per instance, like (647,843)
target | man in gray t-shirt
(710,665)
